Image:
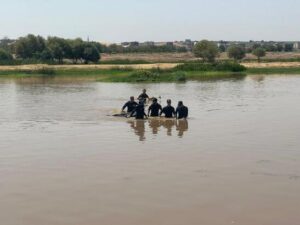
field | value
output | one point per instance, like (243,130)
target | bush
(205,67)
(179,76)
(5,56)
(144,75)
(236,52)
(230,66)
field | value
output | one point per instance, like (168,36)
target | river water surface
(63,161)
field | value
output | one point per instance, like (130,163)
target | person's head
(154,100)
(169,102)
(132,98)
(180,103)
(144,91)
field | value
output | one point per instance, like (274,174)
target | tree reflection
(159,125)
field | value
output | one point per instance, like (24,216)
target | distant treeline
(54,49)
(268,46)
(32,48)
(166,48)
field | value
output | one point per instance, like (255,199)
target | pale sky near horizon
(158,20)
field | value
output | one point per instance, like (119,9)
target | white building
(296,46)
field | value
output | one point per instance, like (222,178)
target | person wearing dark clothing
(139,111)
(169,110)
(154,109)
(130,105)
(182,112)
(144,97)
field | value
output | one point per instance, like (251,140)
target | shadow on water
(159,125)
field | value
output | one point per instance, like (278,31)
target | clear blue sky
(158,20)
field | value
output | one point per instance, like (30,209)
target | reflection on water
(155,125)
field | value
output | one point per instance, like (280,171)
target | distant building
(148,43)
(134,44)
(296,46)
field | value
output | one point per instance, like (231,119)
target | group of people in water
(137,110)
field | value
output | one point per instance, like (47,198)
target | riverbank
(156,72)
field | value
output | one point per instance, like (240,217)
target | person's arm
(150,108)
(176,113)
(187,112)
(161,112)
(124,106)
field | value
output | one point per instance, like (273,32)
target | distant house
(147,43)
(296,46)
(134,44)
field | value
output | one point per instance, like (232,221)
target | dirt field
(179,57)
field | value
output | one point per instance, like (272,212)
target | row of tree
(268,46)
(208,51)
(114,48)
(53,48)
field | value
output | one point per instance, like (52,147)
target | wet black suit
(155,108)
(139,112)
(182,112)
(130,106)
(143,97)
(169,111)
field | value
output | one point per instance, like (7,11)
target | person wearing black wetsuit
(139,111)
(130,105)
(154,109)
(169,110)
(144,97)
(182,112)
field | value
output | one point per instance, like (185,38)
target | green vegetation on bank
(181,73)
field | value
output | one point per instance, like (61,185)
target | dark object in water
(123,114)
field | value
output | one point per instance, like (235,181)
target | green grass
(275,70)
(154,75)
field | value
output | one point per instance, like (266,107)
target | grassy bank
(274,70)
(181,73)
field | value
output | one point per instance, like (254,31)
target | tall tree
(30,46)
(90,53)
(259,52)
(207,50)
(60,48)
(236,52)
(5,56)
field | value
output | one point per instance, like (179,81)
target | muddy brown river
(63,161)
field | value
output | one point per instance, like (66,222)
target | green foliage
(5,56)
(179,76)
(144,75)
(217,66)
(55,48)
(236,52)
(259,52)
(90,53)
(60,48)
(207,50)
(30,46)
(114,48)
